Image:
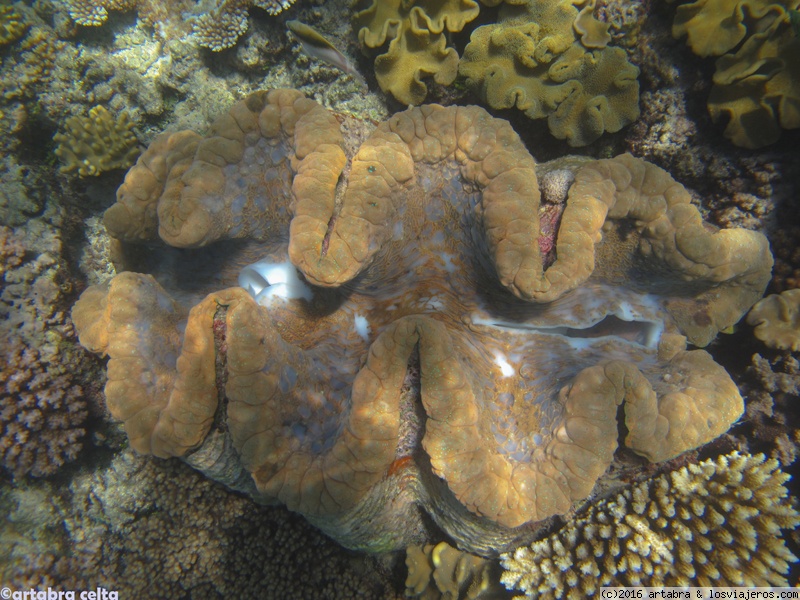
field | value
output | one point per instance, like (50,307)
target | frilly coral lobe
(400,338)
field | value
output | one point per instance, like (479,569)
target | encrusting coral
(551,60)
(301,389)
(776,319)
(97,143)
(416,34)
(709,524)
(757,81)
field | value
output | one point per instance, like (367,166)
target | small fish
(316,46)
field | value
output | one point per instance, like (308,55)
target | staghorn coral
(431,248)
(756,88)
(708,524)
(552,61)
(97,143)
(417,36)
(776,319)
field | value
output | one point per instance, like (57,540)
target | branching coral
(218,25)
(776,319)
(12,25)
(92,13)
(97,143)
(416,33)
(297,388)
(551,60)
(43,408)
(221,25)
(756,89)
(135,521)
(707,524)
(34,61)
(42,412)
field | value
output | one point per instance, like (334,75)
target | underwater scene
(382,299)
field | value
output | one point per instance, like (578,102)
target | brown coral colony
(427,246)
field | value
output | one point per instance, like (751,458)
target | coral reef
(220,25)
(159,530)
(43,408)
(97,143)
(756,85)
(708,524)
(776,319)
(92,13)
(417,37)
(42,412)
(215,24)
(772,387)
(429,247)
(551,60)
(31,65)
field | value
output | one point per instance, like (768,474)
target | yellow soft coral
(776,320)
(417,42)
(756,90)
(550,60)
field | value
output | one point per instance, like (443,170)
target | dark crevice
(221,367)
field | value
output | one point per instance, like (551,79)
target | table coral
(552,61)
(300,389)
(708,524)
(416,33)
(756,90)
(776,319)
(97,143)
